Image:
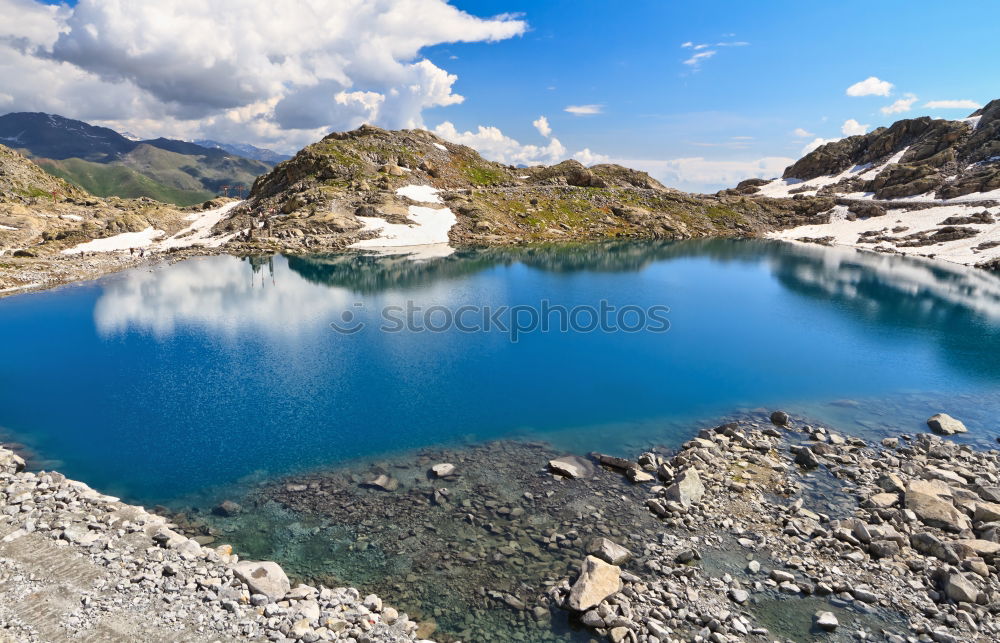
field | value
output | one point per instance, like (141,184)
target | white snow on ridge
(782,188)
(973,121)
(119,242)
(199,233)
(423,193)
(440,147)
(846,233)
(7,227)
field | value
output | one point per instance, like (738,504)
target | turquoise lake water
(156,383)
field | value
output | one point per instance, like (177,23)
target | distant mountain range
(106,163)
(247,151)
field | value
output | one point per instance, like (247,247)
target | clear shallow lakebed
(159,383)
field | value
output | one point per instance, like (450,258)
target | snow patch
(973,121)
(440,147)
(199,233)
(119,242)
(431,226)
(71,217)
(422,193)
(7,227)
(846,232)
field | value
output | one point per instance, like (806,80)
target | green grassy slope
(119,180)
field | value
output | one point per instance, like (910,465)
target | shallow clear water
(154,384)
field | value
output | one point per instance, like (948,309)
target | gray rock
(779,418)
(597,581)
(264,577)
(945,424)
(443,470)
(227,508)
(826,621)
(687,488)
(383,482)
(806,458)
(960,589)
(569,466)
(608,551)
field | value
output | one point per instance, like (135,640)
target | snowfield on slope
(119,242)
(845,232)
(430,225)
(198,233)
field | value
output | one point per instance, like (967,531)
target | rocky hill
(41,215)
(363,185)
(920,156)
(21,181)
(922,186)
(106,163)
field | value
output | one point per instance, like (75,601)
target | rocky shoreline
(763,528)
(76,565)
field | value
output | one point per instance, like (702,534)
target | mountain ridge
(109,164)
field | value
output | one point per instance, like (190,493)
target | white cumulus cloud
(952,104)
(870,86)
(801,133)
(584,110)
(852,128)
(542,125)
(904,104)
(494,145)
(699,174)
(817,143)
(250,70)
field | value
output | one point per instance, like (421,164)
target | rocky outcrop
(313,200)
(915,156)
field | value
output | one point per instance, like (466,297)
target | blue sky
(772,77)
(741,103)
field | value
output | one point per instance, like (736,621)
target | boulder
(638,476)
(806,458)
(227,508)
(826,621)
(935,511)
(883,500)
(945,424)
(570,466)
(383,482)
(443,470)
(264,577)
(608,551)
(687,488)
(983,548)
(987,511)
(598,580)
(779,418)
(960,589)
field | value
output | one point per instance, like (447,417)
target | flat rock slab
(945,424)
(265,578)
(598,580)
